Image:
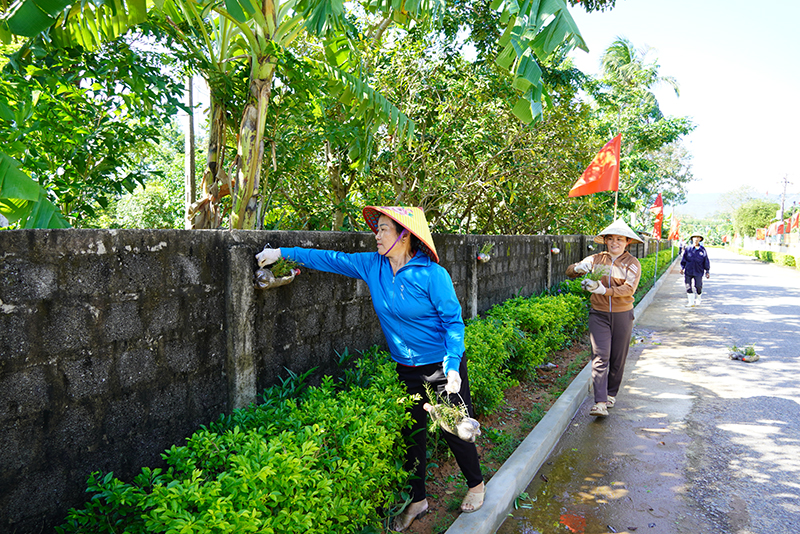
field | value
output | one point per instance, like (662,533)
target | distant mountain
(706,204)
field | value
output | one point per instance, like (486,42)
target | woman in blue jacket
(420,316)
(694,263)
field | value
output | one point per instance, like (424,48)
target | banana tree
(24,200)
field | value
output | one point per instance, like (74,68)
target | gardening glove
(589,285)
(453,382)
(268,256)
(583,267)
(599,290)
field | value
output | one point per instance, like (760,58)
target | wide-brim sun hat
(696,235)
(618,227)
(412,219)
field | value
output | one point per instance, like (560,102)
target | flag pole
(616,193)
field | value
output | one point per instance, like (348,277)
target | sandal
(402,521)
(473,501)
(599,409)
(611,401)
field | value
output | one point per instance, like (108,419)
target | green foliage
(764,255)
(489,346)
(283,267)
(321,462)
(653,157)
(754,214)
(649,273)
(548,323)
(514,338)
(747,350)
(317,459)
(74,119)
(768,256)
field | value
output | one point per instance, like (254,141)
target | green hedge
(323,462)
(768,256)
(514,338)
(649,274)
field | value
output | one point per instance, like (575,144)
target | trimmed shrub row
(768,256)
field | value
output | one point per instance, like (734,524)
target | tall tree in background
(74,119)
(652,158)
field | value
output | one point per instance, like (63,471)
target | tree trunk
(244,215)
(205,213)
(190,183)
(338,188)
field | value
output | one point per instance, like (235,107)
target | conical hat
(618,227)
(412,219)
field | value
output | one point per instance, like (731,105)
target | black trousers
(466,453)
(698,282)
(610,335)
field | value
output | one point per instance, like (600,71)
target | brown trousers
(610,334)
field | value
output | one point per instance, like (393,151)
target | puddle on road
(557,502)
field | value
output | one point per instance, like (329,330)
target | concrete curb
(517,472)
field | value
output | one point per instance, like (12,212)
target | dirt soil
(502,432)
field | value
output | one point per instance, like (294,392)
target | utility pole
(786,183)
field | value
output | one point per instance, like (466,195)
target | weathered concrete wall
(114,345)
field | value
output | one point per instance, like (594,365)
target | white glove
(583,267)
(268,256)
(600,289)
(589,285)
(453,382)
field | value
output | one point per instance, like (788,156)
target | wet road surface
(697,443)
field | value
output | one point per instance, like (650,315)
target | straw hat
(412,219)
(695,235)
(618,227)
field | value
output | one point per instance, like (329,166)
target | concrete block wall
(115,345)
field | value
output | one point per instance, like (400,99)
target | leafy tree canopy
(753,214)
(73,119)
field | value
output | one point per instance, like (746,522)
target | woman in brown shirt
(611,316)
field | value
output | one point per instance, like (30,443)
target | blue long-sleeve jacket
(695,261)
(417,308)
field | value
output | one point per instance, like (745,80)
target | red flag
(602,174)
(658,211)
(674,228)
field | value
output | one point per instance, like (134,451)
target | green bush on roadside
(323,462)
(768,256)
(514,338)
(649,274)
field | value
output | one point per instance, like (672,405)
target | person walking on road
(611,314)
(695,262)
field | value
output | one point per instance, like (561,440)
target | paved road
(697,443)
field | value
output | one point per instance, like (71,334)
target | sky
(738,67)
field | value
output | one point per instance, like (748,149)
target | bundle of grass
(281,273)
(745,354)
(452,418)
(592,279)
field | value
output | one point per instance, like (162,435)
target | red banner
(658,212)
(602,174)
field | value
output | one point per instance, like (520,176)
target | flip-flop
(473,500)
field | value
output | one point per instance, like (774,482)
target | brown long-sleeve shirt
(621,281)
